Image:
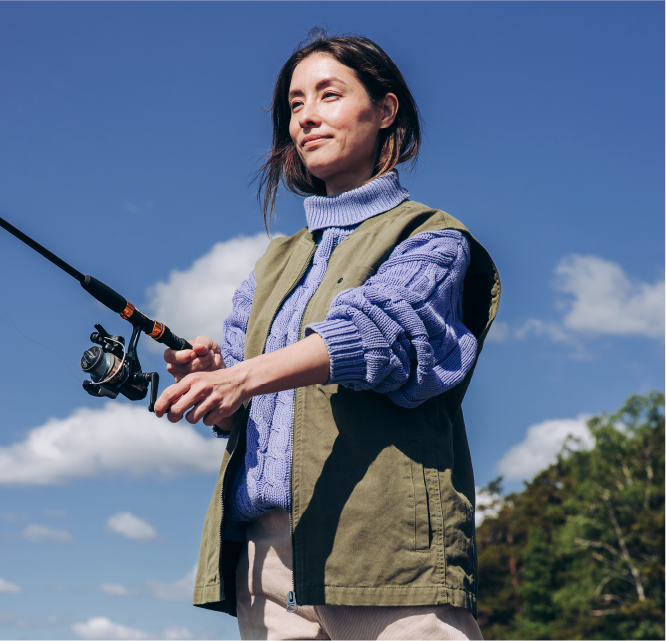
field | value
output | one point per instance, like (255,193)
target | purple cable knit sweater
(400,333)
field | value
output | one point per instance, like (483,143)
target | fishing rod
(113,369)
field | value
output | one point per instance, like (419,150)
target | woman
(344,507)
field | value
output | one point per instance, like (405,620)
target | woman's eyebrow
(329,81)
(322,83)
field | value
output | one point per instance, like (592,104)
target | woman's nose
(308,116)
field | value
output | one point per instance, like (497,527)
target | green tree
(579,553)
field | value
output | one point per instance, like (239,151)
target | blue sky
(128,137)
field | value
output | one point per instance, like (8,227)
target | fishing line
(44,346)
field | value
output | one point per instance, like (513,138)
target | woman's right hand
(205,356)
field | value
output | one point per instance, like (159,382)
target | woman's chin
(323,170)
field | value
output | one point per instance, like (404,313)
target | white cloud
(499,332)
(12,516)
(103,628)
(487,505)
(550,330)
(176,632)
(7,618)
(7,587)
(178,590)
(113,589)
(131,527)
(607,301)
(540,447)
(116,437)
(41,534)
(197,300)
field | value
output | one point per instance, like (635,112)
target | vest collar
(355,206)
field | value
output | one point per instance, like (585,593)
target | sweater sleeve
(232,345)
(401,333)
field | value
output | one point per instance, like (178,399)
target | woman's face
(334,125)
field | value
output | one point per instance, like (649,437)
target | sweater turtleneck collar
(355,206)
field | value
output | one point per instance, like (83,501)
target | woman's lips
(308,144)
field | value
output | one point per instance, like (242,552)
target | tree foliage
(579,553)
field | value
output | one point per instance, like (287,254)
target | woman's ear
(389,110)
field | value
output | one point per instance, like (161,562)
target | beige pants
(264,577)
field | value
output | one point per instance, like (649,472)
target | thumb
(203,344)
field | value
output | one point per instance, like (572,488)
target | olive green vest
(382,496)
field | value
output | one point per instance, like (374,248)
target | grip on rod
(169,339)
(104,294)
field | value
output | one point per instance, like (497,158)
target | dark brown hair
(379,75)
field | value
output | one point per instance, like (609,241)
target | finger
(205,406)
(169,396)
(180,357)
(217,411)
(202,346)
(195,395)
(203,362)
(212,417)
(193,415)
(206,363)
(179,373)
(213,405)
(207,342)
(218,415)
(200,350)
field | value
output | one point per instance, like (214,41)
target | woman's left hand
(209,396)
(214,396)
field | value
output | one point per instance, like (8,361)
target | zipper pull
(292,606)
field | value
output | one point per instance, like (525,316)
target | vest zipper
(292,605)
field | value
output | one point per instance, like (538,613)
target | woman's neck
(341,184)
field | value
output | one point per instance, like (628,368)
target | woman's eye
(295,104)
(331,93)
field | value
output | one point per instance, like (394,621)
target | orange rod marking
(158,330)
(128,311)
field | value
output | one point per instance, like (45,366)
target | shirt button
(340,280)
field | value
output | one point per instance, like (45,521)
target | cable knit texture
(400,333)
(232,346)
(263,483)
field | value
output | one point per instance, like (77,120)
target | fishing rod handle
(171,340)
(119,304)
(104,294)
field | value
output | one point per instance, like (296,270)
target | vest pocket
(420,497)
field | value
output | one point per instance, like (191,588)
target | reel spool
(114,370)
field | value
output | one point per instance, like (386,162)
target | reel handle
(154,379)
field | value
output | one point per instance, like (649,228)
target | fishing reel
(115,370)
